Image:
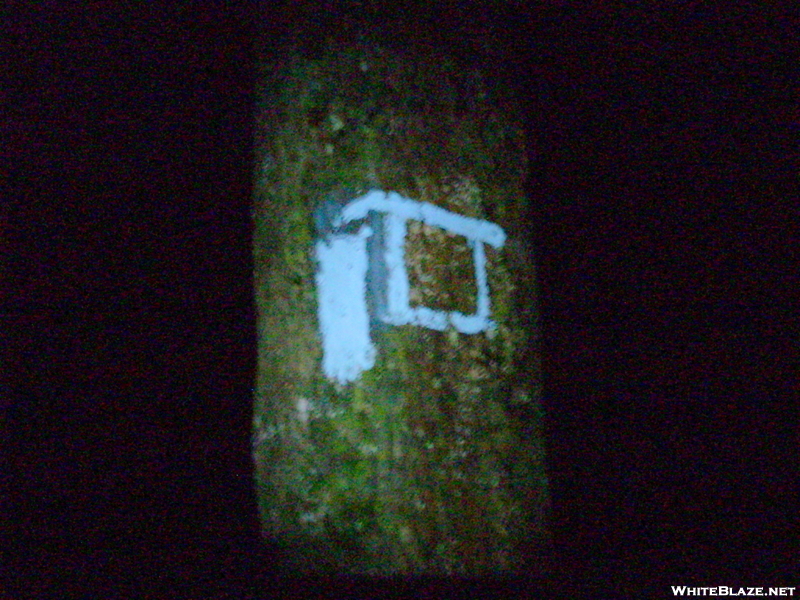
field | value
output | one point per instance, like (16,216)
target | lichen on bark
(432,461)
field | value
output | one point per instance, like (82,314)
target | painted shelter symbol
(362,277)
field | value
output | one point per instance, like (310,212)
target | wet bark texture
(432,460)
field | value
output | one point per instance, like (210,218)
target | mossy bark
(431,461)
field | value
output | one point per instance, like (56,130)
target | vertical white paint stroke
(397,288)
(342,308)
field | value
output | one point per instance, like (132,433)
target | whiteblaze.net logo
(724,590)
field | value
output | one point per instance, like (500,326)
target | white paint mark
(342,282)
(342,309)
(394,203)
(303,408)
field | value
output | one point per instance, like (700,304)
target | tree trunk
(397,421)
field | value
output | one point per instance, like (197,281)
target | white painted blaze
(342,286)
(342,308)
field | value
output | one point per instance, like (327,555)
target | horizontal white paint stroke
(393,203)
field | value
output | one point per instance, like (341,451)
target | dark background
(661,140)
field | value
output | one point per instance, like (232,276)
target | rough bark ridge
(432,460)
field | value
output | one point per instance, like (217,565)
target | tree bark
(429,456)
